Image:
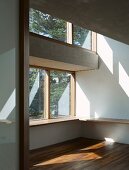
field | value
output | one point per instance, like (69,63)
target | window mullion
(94,41)
(47,94)
(72,95)
(69,33)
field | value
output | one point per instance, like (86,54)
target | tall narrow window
(36,93)
(47,25)
(59,94)
(82,37)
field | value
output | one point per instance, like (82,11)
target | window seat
(106,120)
(59,120)
(50,121)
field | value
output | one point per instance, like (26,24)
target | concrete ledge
(47,48)
(106,120)
(50,121)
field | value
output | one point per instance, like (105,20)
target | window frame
(70,36)
(72,109)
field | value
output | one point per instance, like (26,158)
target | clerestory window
(55,28)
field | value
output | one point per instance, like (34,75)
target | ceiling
(108,17)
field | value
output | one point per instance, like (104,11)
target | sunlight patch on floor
(96,146)
(109,140)
(76,157)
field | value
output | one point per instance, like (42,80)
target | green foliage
(47,25)
(58,84)
(55,28)
(36,107)
(33,72)
(79,35)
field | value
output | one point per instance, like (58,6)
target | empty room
(64,91)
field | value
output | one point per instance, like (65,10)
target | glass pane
(82,37)
(59,94)
(36,93)
(47,25)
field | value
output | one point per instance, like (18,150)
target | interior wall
(49,134)
(9,18)
(105,92)
(100,93)
(115,131)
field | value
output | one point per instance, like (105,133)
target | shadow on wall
(105,92)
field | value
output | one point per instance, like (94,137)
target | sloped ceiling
(108,17)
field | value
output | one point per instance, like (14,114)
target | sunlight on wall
(96,115)
(9,106)
(123,79)
(82,103)
(105,52)
(34,90)
(109,140)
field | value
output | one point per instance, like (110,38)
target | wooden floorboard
(81,154)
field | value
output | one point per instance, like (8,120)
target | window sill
(59,42)
(50,121)
(106,120)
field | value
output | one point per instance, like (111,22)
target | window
(36,93)
(55,28)
(47,25)
(59,93)
(52,93)
(81,37)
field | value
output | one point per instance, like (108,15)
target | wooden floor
(81,154)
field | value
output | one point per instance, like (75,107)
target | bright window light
(110,140)
(105,52)
(123,79)
(96,115)
(83,103)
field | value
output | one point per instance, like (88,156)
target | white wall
(105,92)
(46,135)
(116,131)
(98,94)
(8,84)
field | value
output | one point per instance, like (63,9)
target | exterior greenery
(58,82)
(49,26)
(36,107)
(79,35)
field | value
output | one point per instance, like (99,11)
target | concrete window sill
(106,120)
(50,121)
